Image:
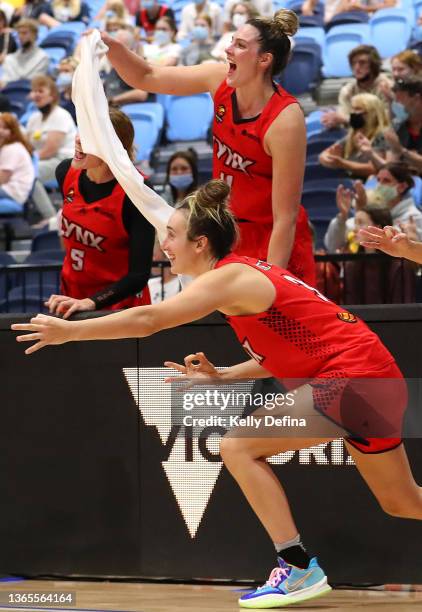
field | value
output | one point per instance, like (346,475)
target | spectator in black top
(148,15)
(33,9)
(67,10)
(405,141)
(7,42)
(101,226)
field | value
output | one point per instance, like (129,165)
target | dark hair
(380,215)
(210,216)
(124,129)
(274,36)
(401,172)
(3,16)
(373,56)
(191,158)
(412,85)
(170,22)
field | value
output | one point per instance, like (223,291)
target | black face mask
(357,121)
(44,110)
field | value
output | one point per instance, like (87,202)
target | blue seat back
(390,31)
(189,117)
(315,34)
(303,71)
(339,41)
(46,241)
(146,134)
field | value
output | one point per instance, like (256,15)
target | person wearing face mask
(368,121)
(150,12)
(201,45)
(393,190)
(163,51)
(29,60)
(193,10)
(64,78)
(16,168)
(67,10)
(51,129)
(181,176)
(365,62)
(113,9)
(265,8)
(239,14)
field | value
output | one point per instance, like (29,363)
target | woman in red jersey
(291,331)
(259,134)
(108,243)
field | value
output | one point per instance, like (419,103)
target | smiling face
(84,161)
(41,96)
(181,252)
(400,70)
(244,57)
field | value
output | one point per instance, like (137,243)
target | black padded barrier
(93,486)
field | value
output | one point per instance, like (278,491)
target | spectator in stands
(199,50)
(368,122)
(264,8)
(118,91)
(182,176)
(365,63)
(110,276)
(405,142)
(406,64)
(40,10)
(163,51)
(29,60)
(392,190)
(67,10)
(66,68)
(164,283)
(149,14)
(16,168)
(7,42)
(200,7)
(51,129)
(337,7)
(113,9)
(239,14)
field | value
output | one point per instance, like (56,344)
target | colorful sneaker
(288,585)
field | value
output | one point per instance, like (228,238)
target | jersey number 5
(77,257)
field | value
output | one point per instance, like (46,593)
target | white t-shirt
(158,55)
(190,12)
(59,120)
(171,288)
(16,159)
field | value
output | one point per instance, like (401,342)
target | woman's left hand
(66,306)
(44,330)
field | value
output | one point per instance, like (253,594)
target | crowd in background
(378,116)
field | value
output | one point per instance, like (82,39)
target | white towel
(99,138)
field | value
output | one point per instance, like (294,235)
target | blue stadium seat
(5,279)
(46,241)
(416,191)
(315,171)
(303,71)
(132,110)
(315,34)
(63,40)
(43,30)
(189,117)
(146,134)
(17,93)
(339,41)
(32,291)
(348,17)
(318,143)
(390,31)
(56,54)
(31,304)
(77,27)
(320,225)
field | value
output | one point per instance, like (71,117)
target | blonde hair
(208,214)
(376,120)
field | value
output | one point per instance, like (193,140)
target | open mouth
(79,156)
(232,68)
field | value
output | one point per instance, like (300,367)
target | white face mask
(239,19)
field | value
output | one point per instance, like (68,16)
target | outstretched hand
(390,240)
(44,330)
(197,369)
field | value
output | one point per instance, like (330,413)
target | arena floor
(130,597)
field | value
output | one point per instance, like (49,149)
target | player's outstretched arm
(391,241)
(198,369)
(174,80)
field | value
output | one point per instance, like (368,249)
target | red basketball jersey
(240,160)
(96,243)
(303,334)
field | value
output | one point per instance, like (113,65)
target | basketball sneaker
(288,585)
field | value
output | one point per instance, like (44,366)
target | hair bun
(213,194)
(286,21)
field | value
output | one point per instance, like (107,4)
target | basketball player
(259,134)
(291,331)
